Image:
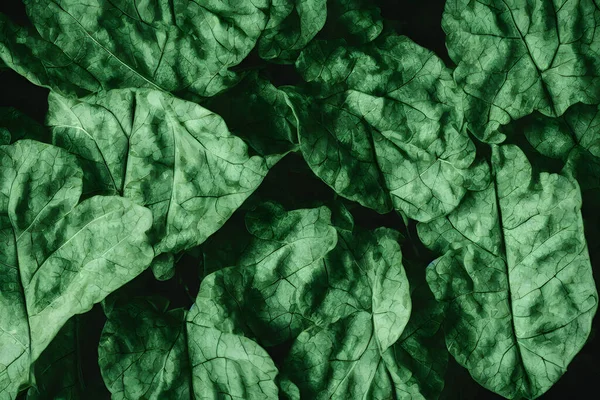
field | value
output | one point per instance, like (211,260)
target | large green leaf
(515,276)
(58,258)
(268,283)
(173,45)
(292,24)
(514,57)
(382,125)
(171,155)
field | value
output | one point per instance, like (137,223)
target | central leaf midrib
(508,289)
(528,51)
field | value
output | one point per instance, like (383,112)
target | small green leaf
(258,112)
(573,138)
(163,266)
(143,351)
(292,24)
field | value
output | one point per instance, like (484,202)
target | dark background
(421,21)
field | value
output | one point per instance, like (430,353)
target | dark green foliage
(297,199)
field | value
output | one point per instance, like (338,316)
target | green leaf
(225,362)
(577,130)
(365,309)
(178,45)
(258,112)
(163,266)
(58,258)
(171,155)
(573,138)
(515,277)
(382,126)
(357,21)
(57,369)
(292,24)
(516,57)
(336,294)
(147,351)
(41,61)
(143,351)
(268,282)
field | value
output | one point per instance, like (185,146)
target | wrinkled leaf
(516,57)
(178,45)
(41,61)
(355,20)
(292,24)
(258,112)
(143,351)
(271,276)
(163,266)
(58,258)
(556,137)
(573,138)
(226,362)
(347,304)
(381,126)
(171,155)
(147,351)
(515,277)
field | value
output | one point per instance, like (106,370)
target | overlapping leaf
(361,343)
(515,57)
(354,20)
(301,278)
(258,112)
(151,353)
(381,125)
(177,46)
(516,277)
(573,138)
(292,24)
(58,258)
(171,155)
(344,307)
